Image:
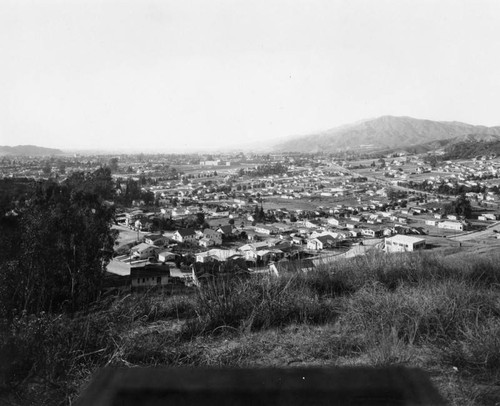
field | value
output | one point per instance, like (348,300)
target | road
(488,233)
(127,235)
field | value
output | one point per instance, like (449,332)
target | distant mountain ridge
(386,132)
(28,150)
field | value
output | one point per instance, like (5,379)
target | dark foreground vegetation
(440,314)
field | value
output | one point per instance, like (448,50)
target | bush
(56,350)
(477,350)
(258,304)
(149,307)
(433,312)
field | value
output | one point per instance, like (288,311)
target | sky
(174,75)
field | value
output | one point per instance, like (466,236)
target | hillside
(471,145)
(436,312)
(385,132)
(28,150)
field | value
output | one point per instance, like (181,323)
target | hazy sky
(188,74)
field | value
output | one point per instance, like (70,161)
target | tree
(462,206)
(200,218)
(47,169)
(65,241)
(113,164)
(432,160)
(393,194)
(148,197)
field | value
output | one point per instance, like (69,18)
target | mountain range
(28,150)
(386,132)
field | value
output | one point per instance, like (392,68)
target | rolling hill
(386,132)
(28,150)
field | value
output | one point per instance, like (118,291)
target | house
(206,242)
(226,230)
(212,235)
(403,243)
(155,239)
(351,224)
(185,235)
(281,267)
(321,242)
(431,222)
(149,276)
(487,216)
(268,230)
(144,251)
(164,256)
(311,224)
(217,255)
(452,225)
(333,221)
(372,232)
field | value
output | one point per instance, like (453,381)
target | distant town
(185,218)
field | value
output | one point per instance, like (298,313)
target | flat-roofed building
(452,225)
(403,243)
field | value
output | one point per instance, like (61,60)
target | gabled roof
(143,246)
(186,231)
(227,229)
(326,239)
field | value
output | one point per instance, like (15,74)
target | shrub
(257,304)
(150,307)
(55,349)
(427,313)
(477,349)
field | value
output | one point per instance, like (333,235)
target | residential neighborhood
(256,211)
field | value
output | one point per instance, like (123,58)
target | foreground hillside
(440,314)
(385,132)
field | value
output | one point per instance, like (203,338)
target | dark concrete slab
(291,386)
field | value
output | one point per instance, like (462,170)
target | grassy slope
(441,314)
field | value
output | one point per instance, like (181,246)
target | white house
(206,242)
(451,225)
(185,235)
(266,229)
(212,235)
(217,255)
(403,243)
(320,243)
(144,251)
(164,256)
(333,221)
(487,216)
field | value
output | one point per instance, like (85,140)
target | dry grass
(441,314)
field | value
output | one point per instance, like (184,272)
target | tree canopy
(62,244)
